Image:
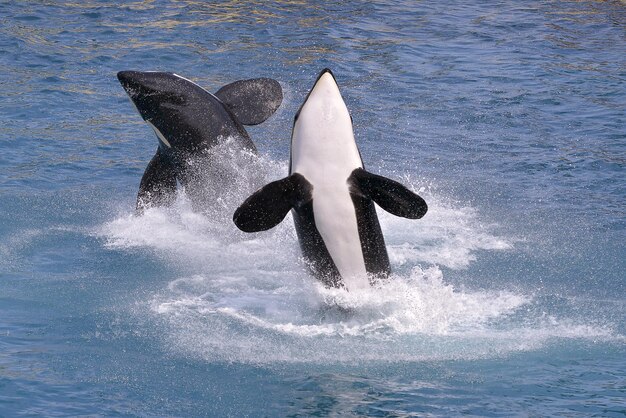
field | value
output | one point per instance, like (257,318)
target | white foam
(449,235)
(249,298)
(413,318)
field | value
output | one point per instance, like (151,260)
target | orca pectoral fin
(267,207)
(252,101)
(158,184)
(389,194)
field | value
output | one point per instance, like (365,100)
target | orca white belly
(335,220)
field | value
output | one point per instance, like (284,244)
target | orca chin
(190,124)
(331,195)
(326,71)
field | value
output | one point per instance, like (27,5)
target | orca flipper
(267,207)
(388,194)
(158,184)
(252,101)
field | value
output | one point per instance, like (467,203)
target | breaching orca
(190,124)
(331,195)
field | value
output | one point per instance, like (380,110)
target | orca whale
(331,195)
(191,124)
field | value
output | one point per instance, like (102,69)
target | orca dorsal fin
(388,194)
(158,184)
(267,207)
(252,101)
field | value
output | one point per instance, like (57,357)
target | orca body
(194,129)
(330,195)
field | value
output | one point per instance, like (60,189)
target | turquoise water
(507,298)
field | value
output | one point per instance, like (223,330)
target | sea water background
(507,298)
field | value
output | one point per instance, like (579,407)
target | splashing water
(249,298)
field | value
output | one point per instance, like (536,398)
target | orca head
(180,112)
(322,130)
(156,93)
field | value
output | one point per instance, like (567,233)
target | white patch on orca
(323,150)
(160,135)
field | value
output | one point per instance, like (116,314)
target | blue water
(508,298)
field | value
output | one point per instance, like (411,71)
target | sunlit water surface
(507,298)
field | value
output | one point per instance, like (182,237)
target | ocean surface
(507,298)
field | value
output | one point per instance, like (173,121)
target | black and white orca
(190,124)
(331,195)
